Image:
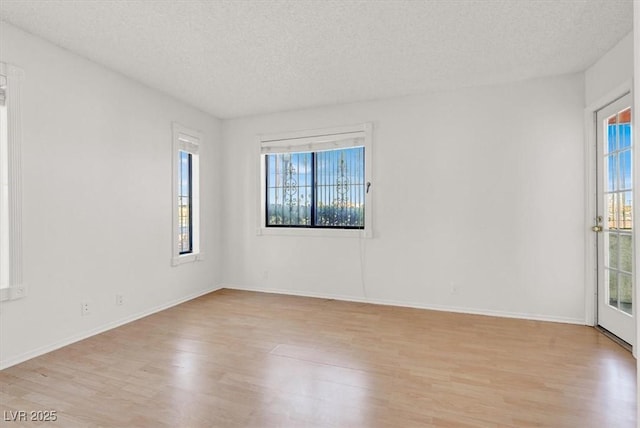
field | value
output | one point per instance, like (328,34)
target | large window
(11,286)
(316,189)
(186,192)
(317,180)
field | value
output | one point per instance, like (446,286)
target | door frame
(591,247)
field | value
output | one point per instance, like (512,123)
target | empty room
(319,213)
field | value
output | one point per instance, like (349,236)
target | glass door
(614,219)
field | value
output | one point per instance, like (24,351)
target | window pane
(610,173)
(289,189)
(613,288)
(612,259)
(626,210)
(316,189)
(626,252)
(612,211)
(625,293)
(184,204)
(624,159)
(624,128)
(340,188)
(612,137)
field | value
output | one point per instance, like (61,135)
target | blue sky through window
(618,175)
(618,162)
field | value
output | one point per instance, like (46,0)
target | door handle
(598,226)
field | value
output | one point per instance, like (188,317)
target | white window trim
(186,140)
(316,139)
(14,77)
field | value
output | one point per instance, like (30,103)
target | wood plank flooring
(242,359)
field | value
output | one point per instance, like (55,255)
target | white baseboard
(444,308)
(109,326)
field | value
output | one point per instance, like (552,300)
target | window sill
(12,293)
(187,258)
(319,233)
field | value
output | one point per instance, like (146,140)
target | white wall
(97,199)
(481,189)
(613,70)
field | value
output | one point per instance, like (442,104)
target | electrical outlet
(85,308)
(119,299)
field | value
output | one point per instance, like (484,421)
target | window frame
(314,141)
(12,212)
(188,141)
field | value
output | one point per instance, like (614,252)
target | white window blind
(316,143)
(187,144)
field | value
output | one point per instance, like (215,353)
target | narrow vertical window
(186,195)
(185,206)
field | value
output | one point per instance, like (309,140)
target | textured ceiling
(237,58)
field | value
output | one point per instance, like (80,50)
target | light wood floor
(241,359)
